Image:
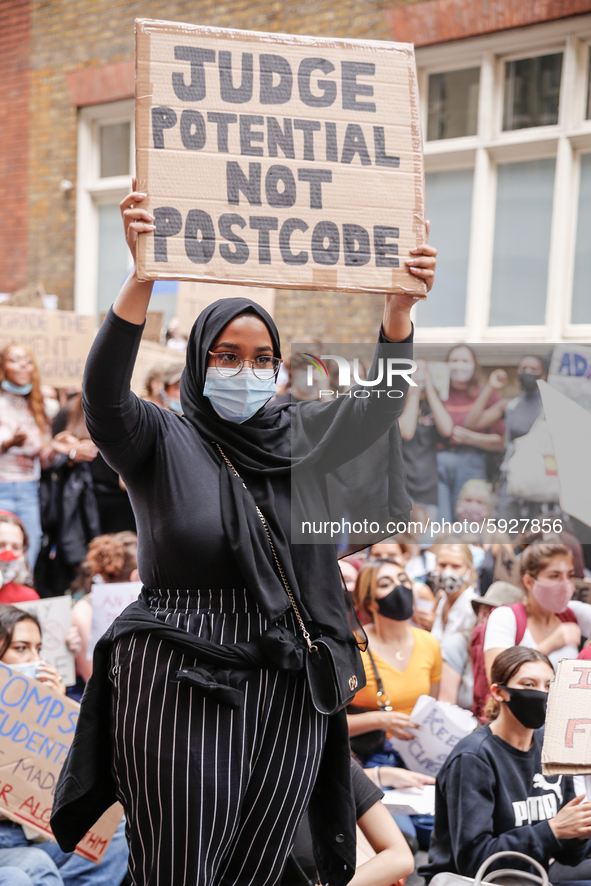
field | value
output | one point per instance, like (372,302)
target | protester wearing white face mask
(237,391)
(551,621)
(454,576)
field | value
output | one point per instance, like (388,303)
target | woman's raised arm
(119,423)
(132,302)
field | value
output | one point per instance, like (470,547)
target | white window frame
(93,191)
(565,141)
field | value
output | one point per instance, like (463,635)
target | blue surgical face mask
(175,405)
(23,390)
(238,397)
(478,555)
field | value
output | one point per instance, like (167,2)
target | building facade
(507,131)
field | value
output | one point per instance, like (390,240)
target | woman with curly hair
(25,440)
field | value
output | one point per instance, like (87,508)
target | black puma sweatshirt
(492,797)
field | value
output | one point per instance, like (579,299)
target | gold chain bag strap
(334,668)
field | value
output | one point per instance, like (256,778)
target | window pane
(532,90)
(114,149)
(449,204)
(588,115)
(581,310)
(453,104)
(112,257)
(522,243)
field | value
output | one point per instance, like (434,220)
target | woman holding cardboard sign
(208,681)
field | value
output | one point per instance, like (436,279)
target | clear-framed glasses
(263,366)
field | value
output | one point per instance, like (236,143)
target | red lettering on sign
(583,683)
(37,813)
(6,789)
(572,728)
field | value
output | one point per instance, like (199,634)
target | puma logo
(540,782)
(539,808)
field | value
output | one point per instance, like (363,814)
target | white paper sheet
(411,801)
(441,726)
(109,601)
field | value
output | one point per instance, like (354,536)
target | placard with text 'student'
(36,730)
(277,160)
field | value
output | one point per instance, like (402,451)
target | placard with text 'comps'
(278,161)
(36,730)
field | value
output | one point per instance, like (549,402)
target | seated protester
(110,559)
(392,860)
(401,663)
(549,620)
(475,504)
(453,579)
(20,647)
(405,660)
(500,593)
(388,550)
(13,547)
(463,676)
(490,793)
(350,567)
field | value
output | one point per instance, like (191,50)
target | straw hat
(500,593)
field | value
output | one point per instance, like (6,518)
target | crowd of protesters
(476,619)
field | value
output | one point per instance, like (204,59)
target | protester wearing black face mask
(401,663)
(408,659)
(491,794)
(520,416)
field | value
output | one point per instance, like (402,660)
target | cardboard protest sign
(60,341)
(109,601)
(27,297)
(153,356)
(567,736)
(36,730)
(193,297)
(55,617)
(277,160)
(152,329)
(570,372)
(441,726)
(570,429)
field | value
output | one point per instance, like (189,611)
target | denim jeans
(16,851)
(57,868)
(78,871)
(10,876)
(455,468)
(23,500)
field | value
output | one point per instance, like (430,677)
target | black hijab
(279,443)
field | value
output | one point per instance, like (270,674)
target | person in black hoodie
(491,794)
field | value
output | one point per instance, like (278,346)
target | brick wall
(73,35)
(14,121)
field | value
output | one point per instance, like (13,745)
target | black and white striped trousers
(212,795)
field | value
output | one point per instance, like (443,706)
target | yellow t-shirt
(403,687)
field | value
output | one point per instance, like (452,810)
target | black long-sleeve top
(492,797)
(172,478)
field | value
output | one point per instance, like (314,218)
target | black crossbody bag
(334,668)
(370,743)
